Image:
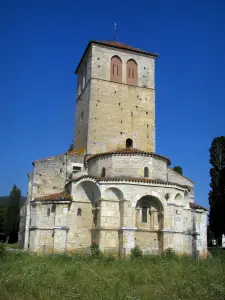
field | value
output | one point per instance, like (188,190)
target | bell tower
(115,104)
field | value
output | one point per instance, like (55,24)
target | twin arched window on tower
(131,70)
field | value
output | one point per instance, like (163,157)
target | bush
(95,251)
(2,250)
(136,252)
(169,253)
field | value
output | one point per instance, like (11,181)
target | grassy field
(26,276)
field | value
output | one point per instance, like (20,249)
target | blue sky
(42,42)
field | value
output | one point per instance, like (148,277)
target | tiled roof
(116,45)
(196,206)
(129,179)
(130,151)
(55,197)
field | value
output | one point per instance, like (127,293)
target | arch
(178,197)
(113,194)
(103,172)
(116,69)
(129,143)
(151,212)
(132,72)
(79,212)
(87,191)
(146,172)
(150,201)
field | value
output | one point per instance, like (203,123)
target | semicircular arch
(113,193)
(178,197)
(87,191)
(150,201)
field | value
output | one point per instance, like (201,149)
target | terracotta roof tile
(130,151)
(123,46)
(117,45)
(196,206)
(129,179)
(55,197)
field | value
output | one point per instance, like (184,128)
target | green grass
(26,276)
(13,246)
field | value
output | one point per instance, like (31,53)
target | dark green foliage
(2,210)
(4,200)
(70,148)
(136,252)
(12,215)
(169,253)
(217,193)
(95,251)
(2,250)
(178,169)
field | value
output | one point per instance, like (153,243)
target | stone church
(112,188)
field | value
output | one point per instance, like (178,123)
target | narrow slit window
(48,212)
(144,216)
(146,172)
(103,172)
(79,212)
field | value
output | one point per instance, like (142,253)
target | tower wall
(109,112)
(118,112)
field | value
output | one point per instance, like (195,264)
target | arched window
(146,172)
(129,143)
(178,197)
(132,72)
(79,212)
(144,217)
(103,172)
(116,69)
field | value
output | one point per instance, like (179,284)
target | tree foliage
(217,193)
(2,209)
(12,214)
(178,169)
(70,148)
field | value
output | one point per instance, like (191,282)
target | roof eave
(154,55)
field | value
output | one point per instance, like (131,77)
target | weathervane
(114,31)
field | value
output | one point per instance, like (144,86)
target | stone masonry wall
(49,176)
(81,119)
(128,166)
(101,58)
(177,178)
(118,112)
(108,112)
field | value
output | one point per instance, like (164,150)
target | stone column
(29,198)
(128,229)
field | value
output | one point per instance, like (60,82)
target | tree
(178,169)
(70,148)
(12,215)
(1,217)
(217,193)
